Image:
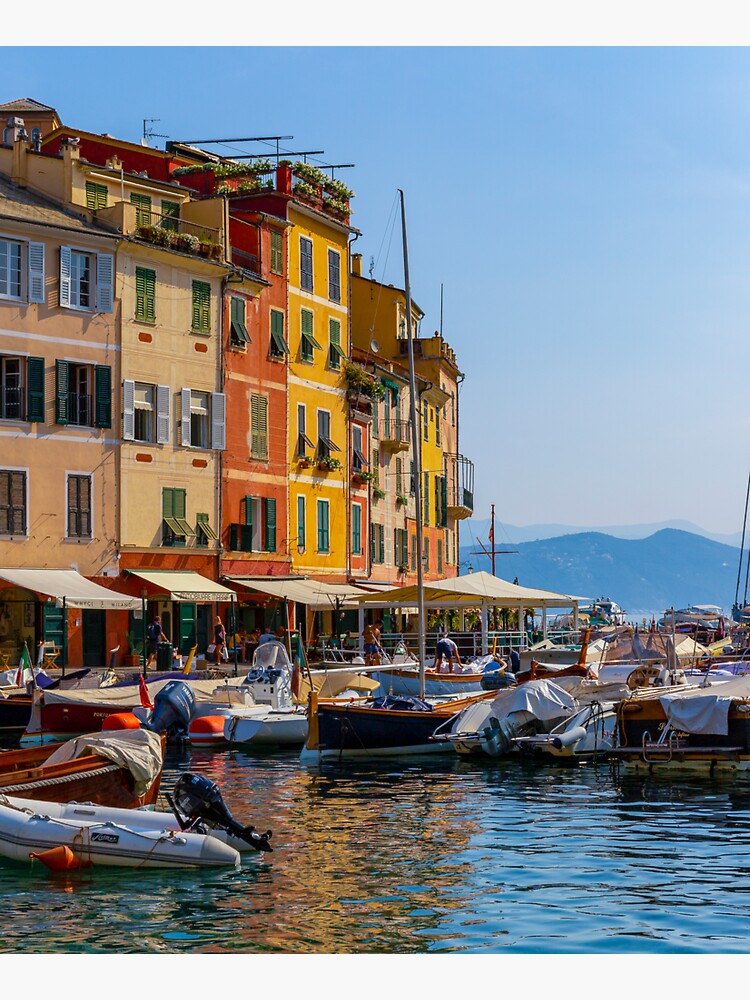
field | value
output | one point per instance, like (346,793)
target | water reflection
(423,855)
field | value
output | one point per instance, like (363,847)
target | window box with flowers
(361,383)
(402,569)
(377,493)
(303,462)
(328,463)
(401,500)
(361,476)
(155,234)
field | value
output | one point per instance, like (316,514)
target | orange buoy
(121,720)
(206,730)
(60,859)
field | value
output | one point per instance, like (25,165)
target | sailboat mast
(416,445)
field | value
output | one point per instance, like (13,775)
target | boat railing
(470,642)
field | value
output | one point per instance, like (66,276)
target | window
(11,286)
(426,421)
(305,264)
(12,502)
(203,423)
(308,343)
(401,552)
(238,330)
(96,196)
(170,215)
(335,353)
(86,280)
(325,445)
(83,394)
(412,479)
(301,523)
(201,307)
(440,556)
(242,536)
(22,271)
(277,252)
(324,538)
(142,204)
(145,295)
(437,426)
(426,555)
(259,427)
(358,459)
(79,506)
(303,441)
(356,529)
(11,388)
(269,510)
(334,275)
(279,346)
(175,529)
(426,497)
(377,543)
(399,478)
(146,412)
(413,553)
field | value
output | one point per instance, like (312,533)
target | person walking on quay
(220,640)
(155,636)
(446,649)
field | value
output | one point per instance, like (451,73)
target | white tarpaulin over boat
(136,749)
(705,711)
(186,585)
(544,699)
(68,585)
(316,594)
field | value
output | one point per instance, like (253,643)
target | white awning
(185,585)
(470,590)
(316,594)
(70,586)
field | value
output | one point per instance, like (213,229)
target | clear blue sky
(587,211)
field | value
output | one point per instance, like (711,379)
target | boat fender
(60,859)
(568,738)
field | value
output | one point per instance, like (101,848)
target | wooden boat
(704,728)
(16,702)
(367,729)
(90,777)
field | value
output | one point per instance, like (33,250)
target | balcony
(460,489)
(395,434)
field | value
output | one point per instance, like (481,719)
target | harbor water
(422,855)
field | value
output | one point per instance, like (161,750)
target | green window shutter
(444,502)
(427,553)
(201,307)
(270,505)
(399,477)
(96,196)
(247,511)
(234,540)
(381,543)
(301,539)
(323,533)
(238,330)
(180,498)
(170,214)
(439,556)
(335,354)
(62,408)
(167,502)
(279,346)
(103,396)
(142,204)
(35,390)
(145,294)
(277,257)
(356,529)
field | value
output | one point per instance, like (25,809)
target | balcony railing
(174,233)
(395,434)
(11,403)
(460,491)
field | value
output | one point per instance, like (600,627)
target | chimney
(357,264)
(16,133)
(71,154)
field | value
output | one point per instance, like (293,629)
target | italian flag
(25,673)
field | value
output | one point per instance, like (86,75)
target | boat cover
(543,699)
(705,711)
(136,749)
(126,697)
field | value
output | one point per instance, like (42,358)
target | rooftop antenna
(148,133)
(372,266)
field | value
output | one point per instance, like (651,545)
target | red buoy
(121,720)
(60,859)
(207,730)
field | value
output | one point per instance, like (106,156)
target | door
(94,638)
(55,628)
(188,626)
(205,627)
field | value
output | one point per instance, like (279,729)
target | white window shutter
(128,409)
(105,280)
(36,272)
(185,397)
(65,277)
(163,413)
(218,421)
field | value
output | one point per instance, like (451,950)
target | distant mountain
(669,568)
(506,535)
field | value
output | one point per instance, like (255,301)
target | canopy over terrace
(315,594)
(185,585)
(68,586)
(473,590)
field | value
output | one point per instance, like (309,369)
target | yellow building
(318,328)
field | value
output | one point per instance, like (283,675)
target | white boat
(29,829)
(590,733)
(273,718)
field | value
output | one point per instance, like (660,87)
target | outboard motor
(196,801)
(173,710)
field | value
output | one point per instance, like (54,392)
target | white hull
(403,682)
(262,726)
(31,828)
(315,756)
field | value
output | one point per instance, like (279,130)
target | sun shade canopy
(70,586)
(314,593)
(469,591)
(185,585)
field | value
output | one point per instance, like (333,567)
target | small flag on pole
(25,674)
